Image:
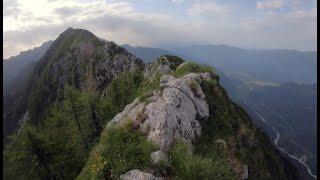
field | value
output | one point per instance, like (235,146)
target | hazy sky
(285,24)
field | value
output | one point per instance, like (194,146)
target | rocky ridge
(81,59)
(176,103)
(170,114)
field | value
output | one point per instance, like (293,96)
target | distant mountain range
(15,64)
(266,65)
(16,72)
(146,53)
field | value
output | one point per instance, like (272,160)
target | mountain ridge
(82,83)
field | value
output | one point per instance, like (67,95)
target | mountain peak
(69,29)
(79,34)
(79,58)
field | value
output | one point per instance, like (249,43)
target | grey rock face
(245,174)
(221,141)
(158,156)
(130,112)
(137,175)
(171,114)
(158,67)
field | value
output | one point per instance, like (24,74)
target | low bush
(119,150)
(192,167)
(191,67)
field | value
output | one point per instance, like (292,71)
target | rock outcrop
(171,114)
(163,65)
(159,156)
(137,175)
(245,174)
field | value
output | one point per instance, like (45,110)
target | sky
(258,24)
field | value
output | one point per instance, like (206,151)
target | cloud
(113,21)
(67,11)
(10,7)
(123,23)
(177,1)
(291,30)
(28,13)
(207,8)
(270,4)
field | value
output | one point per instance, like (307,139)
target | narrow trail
(276,140)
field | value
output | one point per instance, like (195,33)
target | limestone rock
(221,141)
(158,156)
(159,178)
(171,114)
(136,174)
(130,112)
(245,174)
(163,65)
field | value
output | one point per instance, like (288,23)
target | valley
(300,160)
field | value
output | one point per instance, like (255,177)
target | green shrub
(193,167)
(118,151)
(18,155)
(147,86)
(191,67)
(106,110)
(162,169)
(193,86)
(174,61)
(124,88)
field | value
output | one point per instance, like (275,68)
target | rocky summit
(95,111)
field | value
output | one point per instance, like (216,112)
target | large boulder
(136,174)
(171,114)
(245,174)
(159,156)
(163,65)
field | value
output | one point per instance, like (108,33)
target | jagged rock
(78,58)
(159,178)
(130,112)
(163,65)
(245,174)
(206,76)
(136,174)
(158,156)
(221,141)
(171,114)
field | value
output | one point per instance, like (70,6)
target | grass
(191,67)
(119,150)
(191,167)
(193,86)
(174,61)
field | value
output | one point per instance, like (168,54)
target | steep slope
(290,109)
(68,82)
(14,65)
(97,112)
(192,109)
(15,101)
(281,105)
(16,71)
(80,59)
